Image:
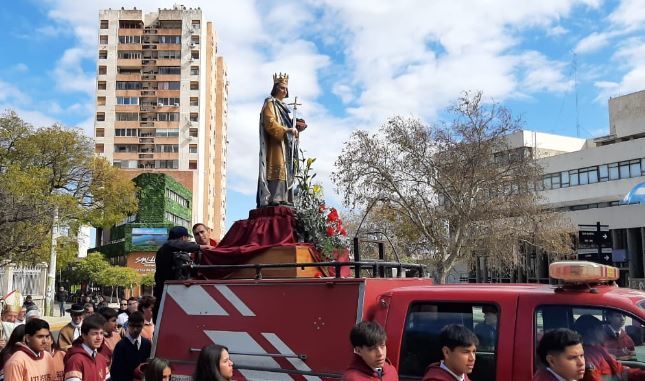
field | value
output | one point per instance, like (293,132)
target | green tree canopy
(91,267)
(148,280)
(48,169)
(118,276)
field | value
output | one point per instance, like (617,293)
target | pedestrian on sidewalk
(61,298)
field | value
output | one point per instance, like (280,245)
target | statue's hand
(301,125)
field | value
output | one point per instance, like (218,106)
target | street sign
(604,258)
(594,243)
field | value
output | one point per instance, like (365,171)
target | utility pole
(51,274)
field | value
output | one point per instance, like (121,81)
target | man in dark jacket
(369,362)
(61,298)
(178,241)
(131,351)
(458,345)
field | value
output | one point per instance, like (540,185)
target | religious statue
(278,147)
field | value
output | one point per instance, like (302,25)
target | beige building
(161,102)
(589,180)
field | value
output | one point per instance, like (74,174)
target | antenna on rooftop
(575,87)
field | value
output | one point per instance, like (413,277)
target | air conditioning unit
(192,44)
(160,104)
(176,104)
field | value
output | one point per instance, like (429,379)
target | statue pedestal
(277,255)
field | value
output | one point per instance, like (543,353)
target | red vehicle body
(299,329)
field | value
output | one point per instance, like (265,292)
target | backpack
(180,266)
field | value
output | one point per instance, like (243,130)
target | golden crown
(281,79)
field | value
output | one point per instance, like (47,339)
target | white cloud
(543,74)
(592,43)
(630,14)
(12,94)
(631,56)
(557,31)
(20,68)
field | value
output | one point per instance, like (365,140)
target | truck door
(492,322)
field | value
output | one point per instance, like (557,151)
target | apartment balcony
(146,140)
(149,62)
(126,62)
(168,62)
(149,47)
(147,124)
(130,32)
(147,108)
(128,47)
(148,93)
(150,30)
(148,77)
(146,156)
(128,77)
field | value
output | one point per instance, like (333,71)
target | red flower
(330,231)
(333,215)
(321,208)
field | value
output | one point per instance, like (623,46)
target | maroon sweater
(359,371)
(79,364)
(435,373)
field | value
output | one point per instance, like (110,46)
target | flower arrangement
(315,222)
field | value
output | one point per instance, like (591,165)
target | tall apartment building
(161,102)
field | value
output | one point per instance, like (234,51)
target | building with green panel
(163,203)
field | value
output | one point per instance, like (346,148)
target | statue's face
(282,92)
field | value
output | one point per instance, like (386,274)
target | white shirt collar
(444,367)
(557,376)
(90,351)
(133,339)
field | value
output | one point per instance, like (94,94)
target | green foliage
(118,276)
(48,169)
(89,268)
(315,223)
(153,202)
(148,280)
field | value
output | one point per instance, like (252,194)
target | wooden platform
(285,254)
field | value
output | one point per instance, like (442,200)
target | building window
(99,133)
(130,55)
(170,39)
(129,39)
(174,85)
(128,85)
(613,171)
(192,132)
(176,220)
(420,342)
(194,101)
(168,102)
(101,85)
(635,168)
(169,70)
(192,148)
(166,132)
(102,54)
(127,100)
(126,148)
(100,101)
(194,117)
(174,196)
(194,54)
(125,132)
(168,164)
(127,116)
(102,70)
(194,70)
(104,24)
(103,39)
(167,148)
(196,24)
(99,148)
(603,172)
(194,85)
(168,116)
(100,117)
(169,54)
(192,164)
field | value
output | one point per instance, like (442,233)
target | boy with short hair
(561,351)
(458,345)
(83,361)
(131,351)
(369,363)
(31,361)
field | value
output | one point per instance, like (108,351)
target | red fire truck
(297,329)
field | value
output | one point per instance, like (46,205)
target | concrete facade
(156,101)
(588,180)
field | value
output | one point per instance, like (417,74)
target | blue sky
(352,64)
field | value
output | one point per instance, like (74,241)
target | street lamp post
(51,274)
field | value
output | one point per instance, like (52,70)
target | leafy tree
(148,279)
(53,169)
(90,268)
(455,190)
(118,276)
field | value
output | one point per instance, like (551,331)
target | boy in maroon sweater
(458,345)
(369,362)
(83,361)
(561,352)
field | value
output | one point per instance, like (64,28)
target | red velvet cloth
(265,228)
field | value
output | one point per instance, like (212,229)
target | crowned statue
(279,133)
